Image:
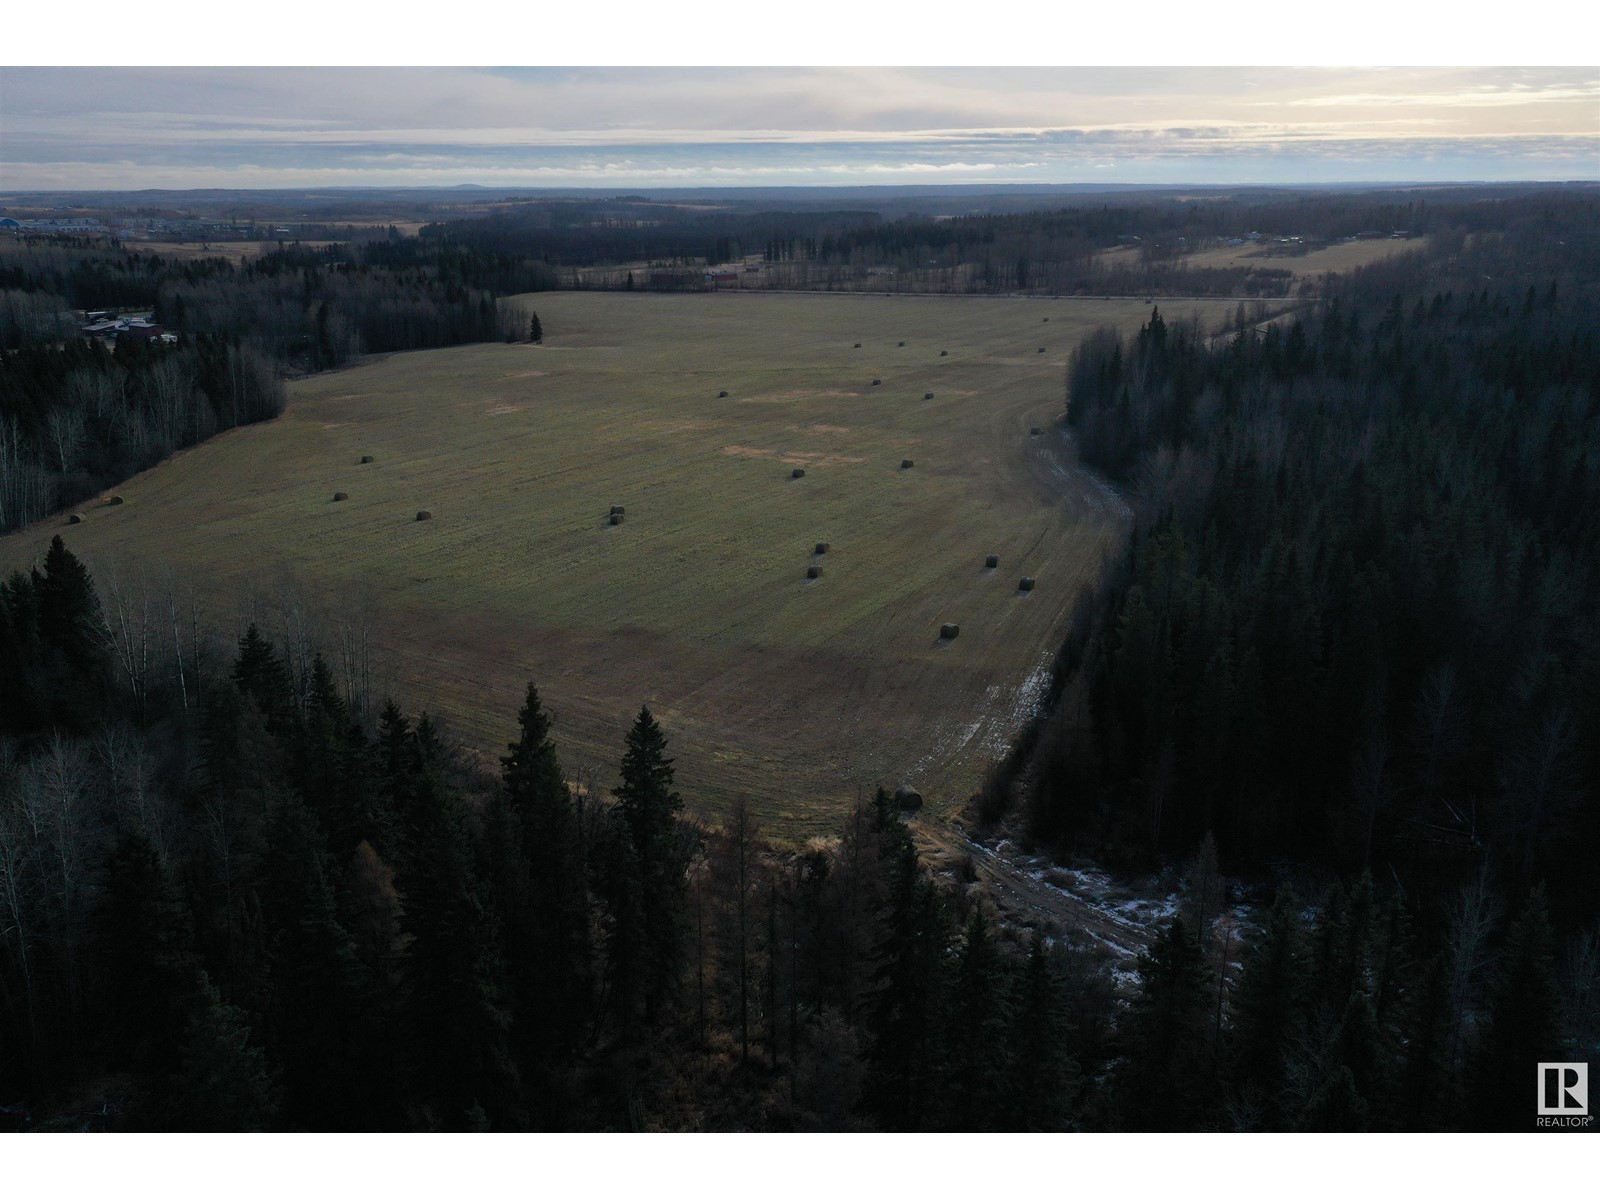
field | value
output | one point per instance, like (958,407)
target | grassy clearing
(1338,257)
(234,252)
(795,693)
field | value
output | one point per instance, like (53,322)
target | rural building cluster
(138,327)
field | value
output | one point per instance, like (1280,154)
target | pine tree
(535,330)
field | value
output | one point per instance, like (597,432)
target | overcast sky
(123,127)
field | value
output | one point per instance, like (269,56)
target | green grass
(797,695)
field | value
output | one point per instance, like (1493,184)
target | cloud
(191,127)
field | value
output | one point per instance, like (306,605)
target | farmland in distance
(796,693)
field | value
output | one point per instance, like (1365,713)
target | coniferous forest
(1346,663)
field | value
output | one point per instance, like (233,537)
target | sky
(125,127)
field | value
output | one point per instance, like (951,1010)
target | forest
(1344,674)
(1050,251)
(231,903)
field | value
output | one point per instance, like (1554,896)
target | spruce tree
(904,1022)
(977,1053)
(24,701)
(143,951)
(321,1008)
(260,674)
(649,808)
(457,1023)
(544,897)
(1524,1025)
(1268,1003)
(73,640)
(223,1083)
(1044,1078)
(1164,1079)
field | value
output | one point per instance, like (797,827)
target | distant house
(70,225)
(722,277)
(138,327)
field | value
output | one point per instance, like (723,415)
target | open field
(795,693)
(234,252)
(1337,257)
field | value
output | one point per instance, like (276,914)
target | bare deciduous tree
(1472,920)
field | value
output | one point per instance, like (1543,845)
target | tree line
(76,418)
(238,904)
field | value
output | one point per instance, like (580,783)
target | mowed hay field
(795,693)
(1333,258)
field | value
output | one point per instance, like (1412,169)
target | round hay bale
(366,458)
(906,464)
(1047,320)
(75,519)
(722,395)
(338,496)
(114,501)
(992,561)
(615,518)
(902,343)
(1041,349)
(927,395)
(822,547)
(1025,584)
(813,572)
(798,473)
(948,631)
(617,510)
(908,797)
(876,382)
(858,345)
(944,354)
(424,515)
